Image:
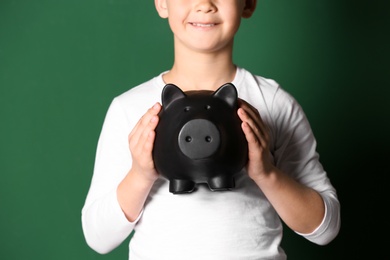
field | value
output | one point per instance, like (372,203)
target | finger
(143,146)
(253,113)
(256,148)
(250,136)
(149,143)
(257,133)
(147,135)
(142,124)
(254,123)
(249,108)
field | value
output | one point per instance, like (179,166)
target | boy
(283,179)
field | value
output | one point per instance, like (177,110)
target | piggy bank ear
(227,93)
(170,93)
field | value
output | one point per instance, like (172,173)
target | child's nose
(206,6)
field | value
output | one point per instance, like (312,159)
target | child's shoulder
(145,90)
(136,100)
(255,85)
(266,94)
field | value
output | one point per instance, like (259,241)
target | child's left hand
(257,135)
(300,207)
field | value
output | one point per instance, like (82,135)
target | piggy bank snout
(199,139)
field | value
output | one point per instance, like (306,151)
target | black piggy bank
(199,139)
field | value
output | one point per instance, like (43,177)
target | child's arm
(105,223)
(300,207)
(135,187)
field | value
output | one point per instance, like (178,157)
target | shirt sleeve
(330,225)
(103,221)
(295,154)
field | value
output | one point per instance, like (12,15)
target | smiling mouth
(204,25)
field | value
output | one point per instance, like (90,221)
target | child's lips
(203,25)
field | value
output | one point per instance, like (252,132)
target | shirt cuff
(330,225)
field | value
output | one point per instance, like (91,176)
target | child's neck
(201,71)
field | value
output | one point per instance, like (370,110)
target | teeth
(203,24)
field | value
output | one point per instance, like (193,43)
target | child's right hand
(135,187)
(141,140)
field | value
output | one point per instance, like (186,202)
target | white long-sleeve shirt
(237,224)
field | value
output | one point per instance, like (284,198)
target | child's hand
(135,187)
(257,135)
(141,140)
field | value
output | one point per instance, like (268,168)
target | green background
(62,62)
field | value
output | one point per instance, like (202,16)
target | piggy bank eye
(186,109)
(207,107)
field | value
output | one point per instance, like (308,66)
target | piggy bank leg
(181,186)
(220,183)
